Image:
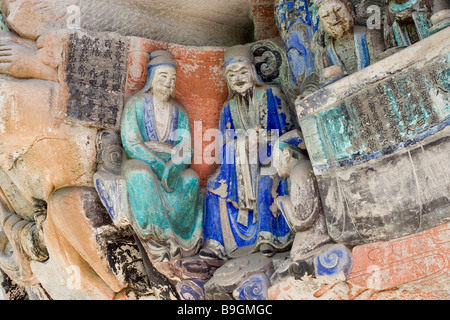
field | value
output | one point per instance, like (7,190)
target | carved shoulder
(138,96)
(277,91)
(180,106)
(304,191)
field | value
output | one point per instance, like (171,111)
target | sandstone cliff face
(192,22)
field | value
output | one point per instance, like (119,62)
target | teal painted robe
(164,194)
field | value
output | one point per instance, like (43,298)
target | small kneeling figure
(313,251)
(302,208)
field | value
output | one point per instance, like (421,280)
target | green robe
(164,194)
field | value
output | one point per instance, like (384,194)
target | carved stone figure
(313,251)
(302,207)
(165,206)
(374,148)
(342,47)
(407,22)
(376,139)
(296,23)
(240,213)
(45,159)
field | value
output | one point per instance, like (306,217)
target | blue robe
(223,231)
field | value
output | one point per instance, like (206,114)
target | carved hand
(170,176)
(332,74)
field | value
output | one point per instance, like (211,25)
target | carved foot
(23,63)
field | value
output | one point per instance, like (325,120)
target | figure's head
(285,157)
(163,83)
(162,74)
(239,69)
(336,16)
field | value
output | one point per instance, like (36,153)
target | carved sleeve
(184,153)
(133,142)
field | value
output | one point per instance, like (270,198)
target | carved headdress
(161,57)
(157,58)
(241,54)
(318,3)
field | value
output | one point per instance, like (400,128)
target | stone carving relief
(152,181)
(398,126)
(52,221)
(297,24)
(239,213)
(202,24)
(100,193)
(342,47)
(408,22)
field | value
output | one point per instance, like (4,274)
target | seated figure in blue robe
(166,208)
(241,216)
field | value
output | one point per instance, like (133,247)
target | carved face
(282,161)
(163,83)
(336,17)
(239,77)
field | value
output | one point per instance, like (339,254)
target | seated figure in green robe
(165,206)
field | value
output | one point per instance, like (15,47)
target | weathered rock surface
(89,257)
(409,268)
(193,22)
(59,87)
